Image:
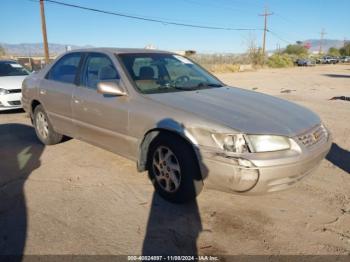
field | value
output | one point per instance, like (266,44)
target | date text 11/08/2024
(173,258)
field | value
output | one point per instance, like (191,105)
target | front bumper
(10,101)
(223,172)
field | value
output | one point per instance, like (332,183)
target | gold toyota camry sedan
(176,120)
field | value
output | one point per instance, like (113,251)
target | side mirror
(110,88)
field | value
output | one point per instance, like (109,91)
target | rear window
(12,69)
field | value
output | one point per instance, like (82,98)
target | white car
(12,75)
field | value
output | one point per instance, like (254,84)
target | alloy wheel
(166,169)
(42,125)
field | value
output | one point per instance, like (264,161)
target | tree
(333,51)
(345,51)
(2,51)
(298,50)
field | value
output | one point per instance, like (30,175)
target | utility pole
(323,33)
(265,15)
(43,29)
(278,48)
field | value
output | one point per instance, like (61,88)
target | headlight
(232,143)
(239,143)
(4,91)
(268,143)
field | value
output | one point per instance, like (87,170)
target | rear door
(101,119)
(56,90)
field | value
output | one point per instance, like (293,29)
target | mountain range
(326,44)
(36,49)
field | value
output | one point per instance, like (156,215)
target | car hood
(11,82)
(245,111)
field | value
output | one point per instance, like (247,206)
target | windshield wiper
(203,84)
(191,88)
(184,88)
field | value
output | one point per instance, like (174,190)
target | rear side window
(98,67)
(65,69)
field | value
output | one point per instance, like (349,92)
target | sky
(292,20)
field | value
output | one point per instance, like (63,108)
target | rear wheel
(43,127)
(173,169)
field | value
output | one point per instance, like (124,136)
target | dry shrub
(280,61)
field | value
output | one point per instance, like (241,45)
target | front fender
(165,125)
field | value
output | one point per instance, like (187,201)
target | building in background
(32,63)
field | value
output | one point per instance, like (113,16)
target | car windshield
(162,73)
(12,69)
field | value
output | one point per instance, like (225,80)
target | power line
(277,36)
(150,19)
(145,16)
(285,19)
(219,6)
(172,22)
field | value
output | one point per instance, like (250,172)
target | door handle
(42,92)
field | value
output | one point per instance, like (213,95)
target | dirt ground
(74,198)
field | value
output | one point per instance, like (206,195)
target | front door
(101,119)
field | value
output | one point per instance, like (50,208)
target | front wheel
(173,169)
(43,128)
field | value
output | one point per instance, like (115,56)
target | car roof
(121,50)
(7,61)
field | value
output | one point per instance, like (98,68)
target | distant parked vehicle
(327,60)
(12,75)
(345,59)
(338,58)
(304,62)
(319,61)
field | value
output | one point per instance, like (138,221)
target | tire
(170,158)
(43,127)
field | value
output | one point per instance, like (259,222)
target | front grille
(15,103)
(314,136)
(12,91)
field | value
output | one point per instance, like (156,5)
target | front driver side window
(98,67)
(65,69)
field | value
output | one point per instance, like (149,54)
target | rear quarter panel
(29,92)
